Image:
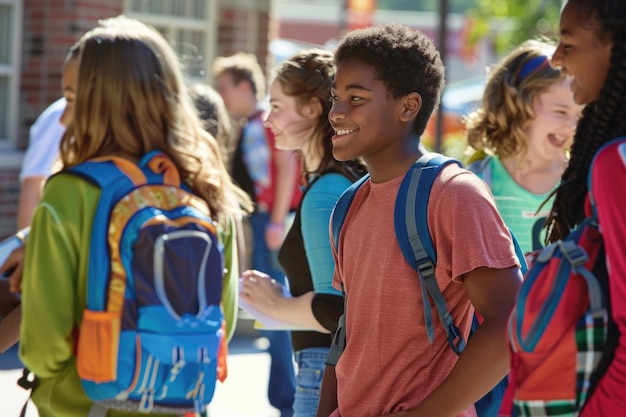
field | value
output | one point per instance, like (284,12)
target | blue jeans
(311,363)
(282,381)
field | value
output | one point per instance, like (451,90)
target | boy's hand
(13,267)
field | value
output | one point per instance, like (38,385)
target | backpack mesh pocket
(97,346)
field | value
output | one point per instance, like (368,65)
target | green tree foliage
(516,21)
(506,22)
(454,6)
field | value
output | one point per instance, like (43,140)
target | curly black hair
(405,60)
(601,122)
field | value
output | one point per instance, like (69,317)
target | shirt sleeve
(53,286)
(44,141)
(467,230)
(317,206)
(230,284)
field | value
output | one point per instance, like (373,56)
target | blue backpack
(411,226)
(152,338)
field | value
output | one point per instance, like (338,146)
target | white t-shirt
(44,141)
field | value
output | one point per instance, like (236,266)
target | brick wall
(50,27)
(246,26)
(9,189)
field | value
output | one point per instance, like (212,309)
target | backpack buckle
(28,380)
(574,254)
(455,339)
(425,268)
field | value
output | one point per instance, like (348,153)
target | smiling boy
(388,82)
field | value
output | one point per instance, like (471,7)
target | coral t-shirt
(388,364)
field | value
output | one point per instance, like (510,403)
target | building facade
(35,36)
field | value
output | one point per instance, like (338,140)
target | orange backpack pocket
(97,346)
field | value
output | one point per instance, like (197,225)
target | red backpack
(560,328)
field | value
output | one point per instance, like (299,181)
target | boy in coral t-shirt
(388,82)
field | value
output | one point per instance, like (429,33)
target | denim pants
(311,363)
(282,380)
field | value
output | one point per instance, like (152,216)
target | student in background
(388,82)
(214,115)
(43,150)
(270,177)
(592,52)
(525,126)
(298,117)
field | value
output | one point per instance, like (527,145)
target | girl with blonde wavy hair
(130,100)
(521,134)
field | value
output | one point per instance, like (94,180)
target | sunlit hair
(515,83)
(306,76)
(404,59)
(131,99)
(601,121)
(242,66)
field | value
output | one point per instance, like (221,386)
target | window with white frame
(10,39)
(189,25)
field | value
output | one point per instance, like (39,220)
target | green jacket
(54,293)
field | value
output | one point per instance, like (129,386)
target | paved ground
(243,394)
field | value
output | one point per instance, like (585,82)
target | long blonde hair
(131,99)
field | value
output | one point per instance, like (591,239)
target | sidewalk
(243,394)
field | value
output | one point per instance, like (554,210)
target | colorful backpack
(152,338)
(411,226)
(560,325)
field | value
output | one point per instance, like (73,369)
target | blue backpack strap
(411,226)
(342,205)
(113,184)
(337,218)
(482,168)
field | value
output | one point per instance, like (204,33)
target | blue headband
(533,65)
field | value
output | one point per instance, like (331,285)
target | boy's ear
(411,106)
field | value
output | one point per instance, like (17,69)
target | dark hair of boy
(405,60)
(601,121)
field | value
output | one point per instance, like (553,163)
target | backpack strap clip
(574,254)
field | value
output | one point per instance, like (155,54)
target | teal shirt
(316,209)
(518,206)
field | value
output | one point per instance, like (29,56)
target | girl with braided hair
(298,117)
(592,52)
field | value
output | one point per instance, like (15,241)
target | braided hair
(601,121)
